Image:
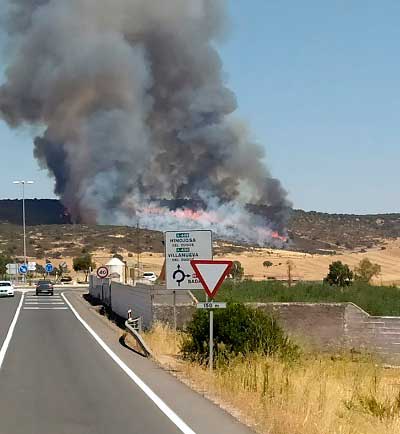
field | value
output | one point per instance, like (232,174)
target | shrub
(4,260)
(339,274)
(237,271)
(84,263)
(366,270)
(237,330)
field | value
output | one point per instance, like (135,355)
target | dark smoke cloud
(133,104)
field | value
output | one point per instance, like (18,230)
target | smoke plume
(130,98)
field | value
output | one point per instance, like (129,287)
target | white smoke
(134,105)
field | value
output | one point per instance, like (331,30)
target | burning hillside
(134,106)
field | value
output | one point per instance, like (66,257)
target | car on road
(6,289)
(66,279)
(150,276)
(44,286)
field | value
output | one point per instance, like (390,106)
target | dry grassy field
(307,267)
(316,395)
(315,267)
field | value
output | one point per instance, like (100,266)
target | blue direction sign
(49,268)
(23,269)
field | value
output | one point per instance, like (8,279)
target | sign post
(102,273)
(180,248)
(49,268)
(211,275)
(23,269)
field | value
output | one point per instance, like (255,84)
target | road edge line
(7,340)
(172,416)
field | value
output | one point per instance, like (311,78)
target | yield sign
(211,274)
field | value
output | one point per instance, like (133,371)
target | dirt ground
(308,267)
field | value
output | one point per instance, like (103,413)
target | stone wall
(316,325)
(165,313)
(376,334)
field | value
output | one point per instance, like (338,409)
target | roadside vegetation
(341,285)
(376,300)
(238,330)
(312,394)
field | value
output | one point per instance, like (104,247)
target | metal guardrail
(133,326)
(136,324)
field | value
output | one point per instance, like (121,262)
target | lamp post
(23,183)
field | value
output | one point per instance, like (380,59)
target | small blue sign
(49,268)
(23,269)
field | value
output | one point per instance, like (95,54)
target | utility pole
(23,216)
(138,246)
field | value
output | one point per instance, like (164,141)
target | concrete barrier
(318,326)
(137,298)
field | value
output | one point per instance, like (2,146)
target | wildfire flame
(207,220)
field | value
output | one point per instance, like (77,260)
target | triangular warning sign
(211,274)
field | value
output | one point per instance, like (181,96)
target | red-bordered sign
(211,274)
(102,272)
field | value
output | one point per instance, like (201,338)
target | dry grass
(306,266)
(317,395)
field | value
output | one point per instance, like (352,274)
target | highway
(59,376)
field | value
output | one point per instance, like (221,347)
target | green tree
(267,264)
(84,263)
(339,274)
(237,271)
(366,270)
(41,270)
(4,260)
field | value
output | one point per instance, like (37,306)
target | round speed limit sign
(102,272)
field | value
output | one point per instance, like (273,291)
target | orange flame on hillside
(205,218)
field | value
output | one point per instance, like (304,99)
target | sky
(318,83)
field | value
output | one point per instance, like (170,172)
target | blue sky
(319,84)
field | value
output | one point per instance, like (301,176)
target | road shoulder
(8,308)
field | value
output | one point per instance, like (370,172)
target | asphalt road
(8,306)
(60,376)
(57,380)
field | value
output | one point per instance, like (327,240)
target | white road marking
(44,298)
(36,302)
(41,296)
(172,416)
(45,308)
(7,341)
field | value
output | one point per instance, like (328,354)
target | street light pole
(23,214)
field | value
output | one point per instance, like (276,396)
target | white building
(117,270)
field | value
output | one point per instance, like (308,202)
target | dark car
(44,286)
